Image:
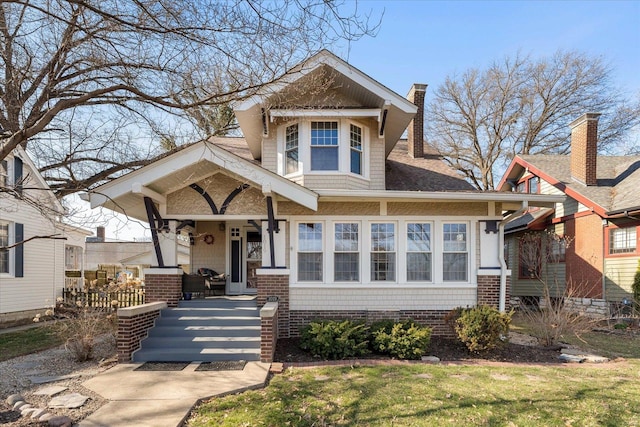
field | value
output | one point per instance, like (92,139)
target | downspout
(503,264)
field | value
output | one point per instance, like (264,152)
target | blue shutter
(19,250)
(17,174)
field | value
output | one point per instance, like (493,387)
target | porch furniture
(194,284)
(214,281)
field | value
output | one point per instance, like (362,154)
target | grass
(436,395)
(16,344)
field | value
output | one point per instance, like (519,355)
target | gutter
(503,264)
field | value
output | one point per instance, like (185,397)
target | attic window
(291,148)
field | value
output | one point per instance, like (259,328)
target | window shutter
(17,174)
(19,250)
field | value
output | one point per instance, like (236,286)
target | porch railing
(103,299)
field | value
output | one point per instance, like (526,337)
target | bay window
(355,133)
(383,255)
(455,252)
(324,146)
(347,252)
(419,252)
(291,149)
(310,251)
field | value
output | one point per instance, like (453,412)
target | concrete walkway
(160,398)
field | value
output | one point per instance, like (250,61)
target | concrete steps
(206,330)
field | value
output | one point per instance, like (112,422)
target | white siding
(43,258)
(270,151)
(378,298)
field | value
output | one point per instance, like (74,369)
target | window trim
(286,151)
(334,251)
(430,252)
(394,251)
(608,241)
(323,272)
(467,251)
(11,252)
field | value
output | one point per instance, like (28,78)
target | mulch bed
(447,350)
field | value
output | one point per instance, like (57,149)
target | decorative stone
(11,400)
(431,359)
(45,417)
(27,411)
(38,413)
(60,421)
(70,401)
(50,391)
(570,358)
(19,404)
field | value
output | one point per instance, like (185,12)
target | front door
(245,256)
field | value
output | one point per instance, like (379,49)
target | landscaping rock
(590,358)
(11,400)
(570,358)
(45,417)
(38,413)
(19,404)
(60,421)
(431,359)
(70,401)
(26,412)
(51,391)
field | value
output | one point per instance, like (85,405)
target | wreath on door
(209,239)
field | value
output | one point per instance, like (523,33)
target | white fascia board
(137,188)
(463,196)
(346,112)
(194,154)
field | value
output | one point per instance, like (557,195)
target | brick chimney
(100,233)
(415,132)
(584,148)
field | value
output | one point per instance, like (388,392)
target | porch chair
(215,282)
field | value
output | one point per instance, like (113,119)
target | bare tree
(86,84)
(482,119)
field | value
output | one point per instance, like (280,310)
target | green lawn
(436,395)
(28,341)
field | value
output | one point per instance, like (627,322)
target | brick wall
(163,288)
(489,291)
(584,150)
(432,318)
(133,325)
(268,331)
(584,256)
(276,285)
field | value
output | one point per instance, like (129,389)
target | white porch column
(168,245)
(279,245)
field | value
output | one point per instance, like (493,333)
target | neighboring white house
(32,273)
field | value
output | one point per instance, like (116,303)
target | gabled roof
(353,83)
(186,167)
(618,180)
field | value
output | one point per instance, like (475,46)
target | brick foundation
(431,318)
(272,284)
(163,285)
(133,325)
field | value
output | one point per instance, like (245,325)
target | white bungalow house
(324,208)
(37,252)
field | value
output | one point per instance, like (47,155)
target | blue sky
(424,41)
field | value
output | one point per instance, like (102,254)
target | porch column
(169,245)
(163,285)
(489,289)
(274,282)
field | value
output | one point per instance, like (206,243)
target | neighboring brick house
(600,217)
(322,205)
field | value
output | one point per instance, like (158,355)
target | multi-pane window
(622,240)
(383,255)
(310,251)
(346,255)
(557,249)
(356,149)
(533,185)
(4,173)
(4,253)
(419,252)
(324,146)
(521,187)
(291,149)
(455,256)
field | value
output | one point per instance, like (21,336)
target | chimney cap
(417,87)
(583,118)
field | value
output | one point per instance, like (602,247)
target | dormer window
(291,148)
(324,146)
(356,149)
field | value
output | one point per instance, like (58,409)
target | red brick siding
(276,285)
(584,141)
(163,288)
(268,337)
(131,330)
(584,256)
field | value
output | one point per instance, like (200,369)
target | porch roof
(188,166)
